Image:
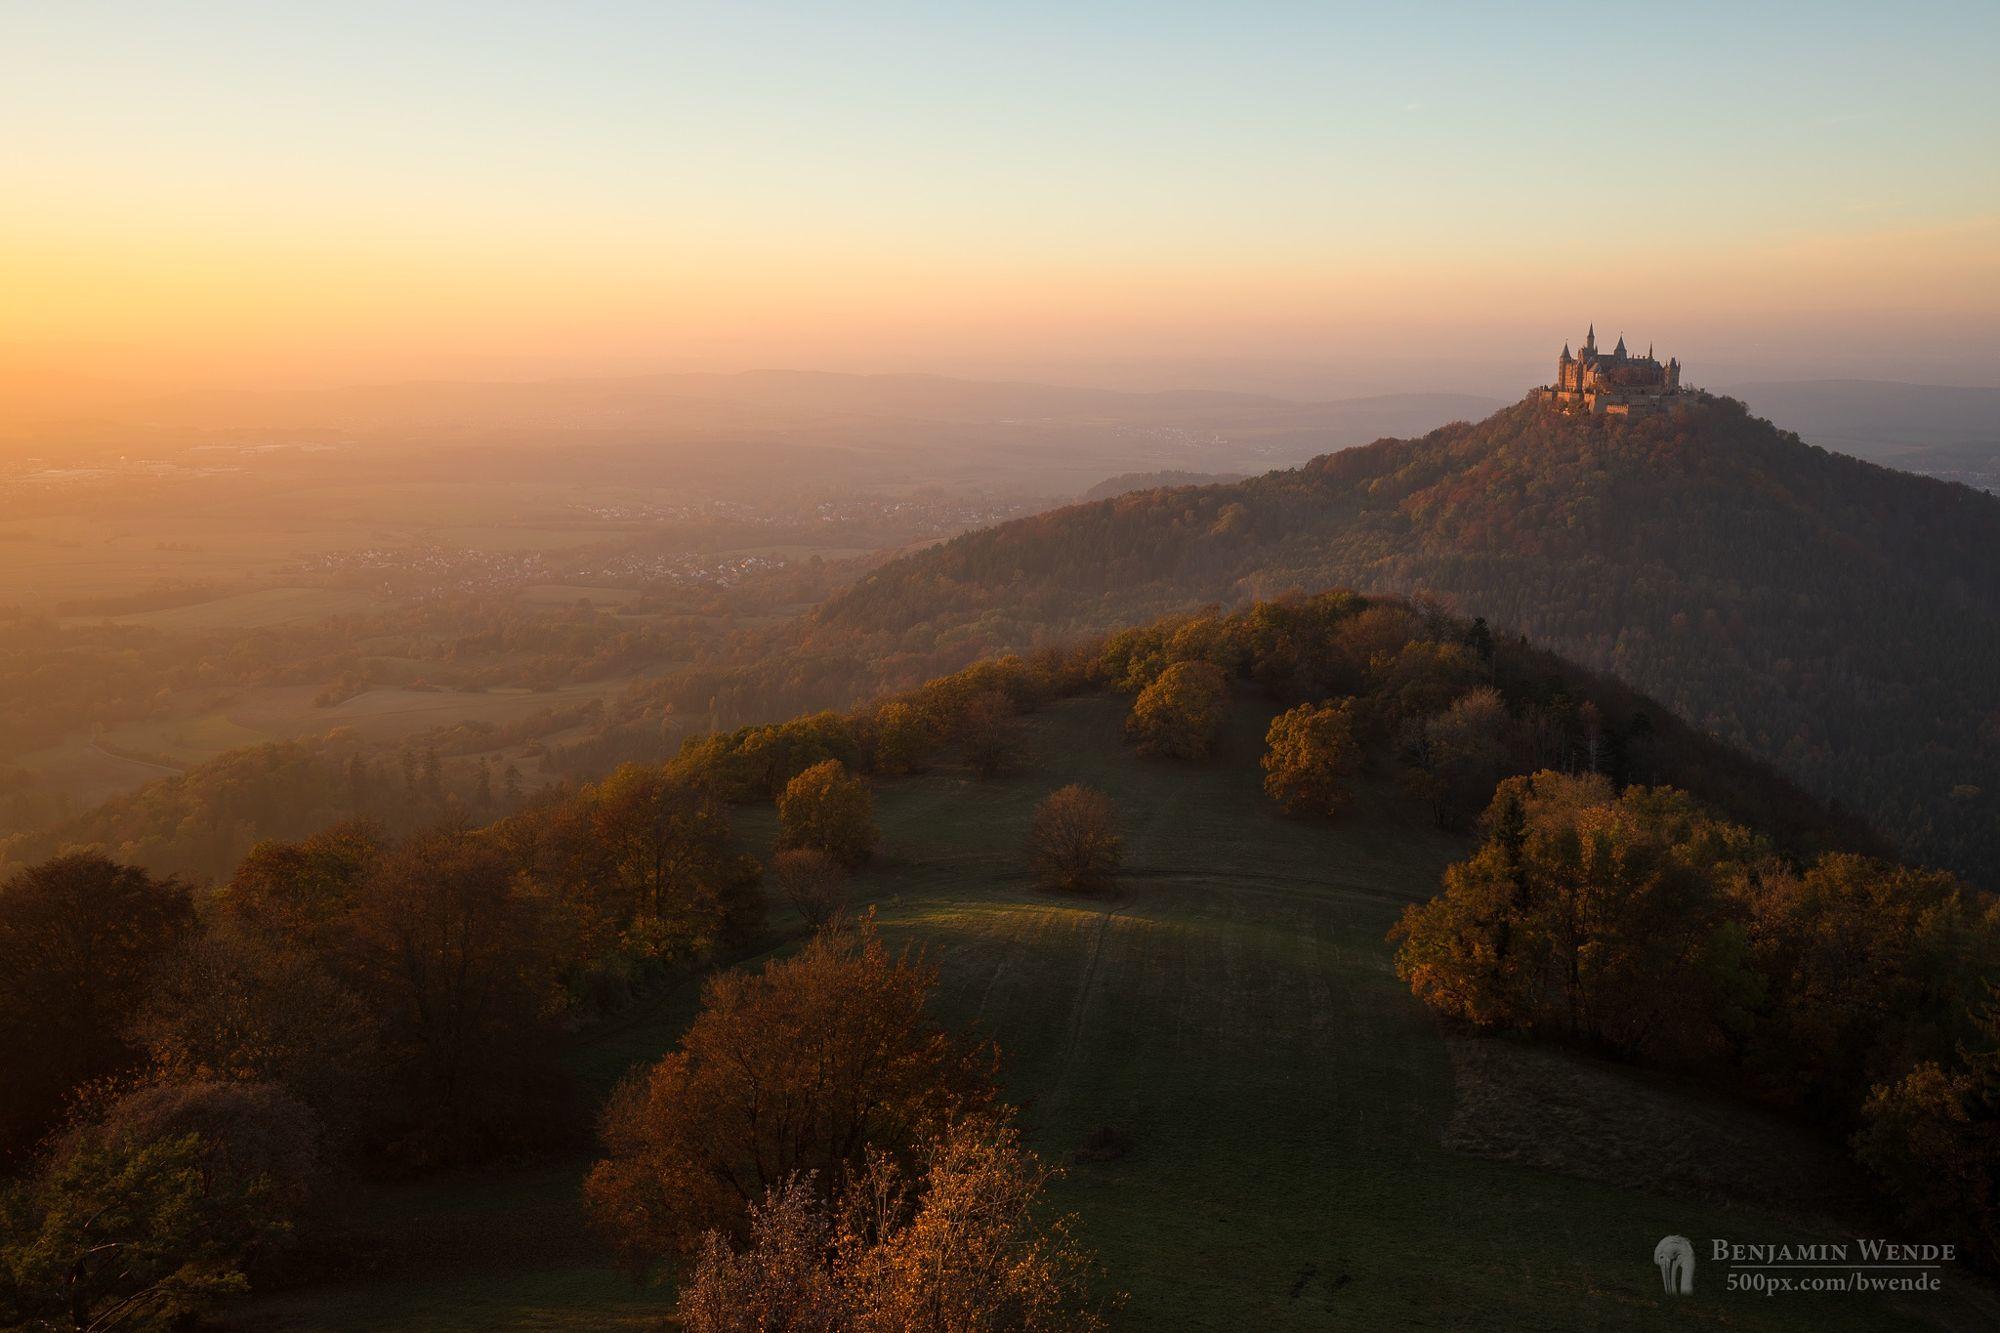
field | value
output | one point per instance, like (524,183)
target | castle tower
(1614,384)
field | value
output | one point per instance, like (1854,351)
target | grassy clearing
(1234,1010)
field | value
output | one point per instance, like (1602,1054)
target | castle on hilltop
(1613,383)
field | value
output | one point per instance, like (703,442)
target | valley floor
(1234,1010)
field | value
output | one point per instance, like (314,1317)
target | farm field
(82,771)
(1233,1009)
(568,594)
(48,562)
(236,527)
(392,715)
(252,610)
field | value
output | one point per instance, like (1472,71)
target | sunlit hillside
(1300,1145)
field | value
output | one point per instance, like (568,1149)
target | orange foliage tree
(953,1245)
(830,810)
(800,1068)
(1073,843)
(812,882)
(1180,713)
(1310,758)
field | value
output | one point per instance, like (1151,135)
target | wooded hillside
(1836,617)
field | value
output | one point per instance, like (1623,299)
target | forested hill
(1834,616)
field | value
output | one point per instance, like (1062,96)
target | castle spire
(1619,350)
(1566,356)
(1590,342)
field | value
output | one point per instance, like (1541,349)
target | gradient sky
(309,193)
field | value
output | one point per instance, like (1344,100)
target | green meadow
(1233,1012)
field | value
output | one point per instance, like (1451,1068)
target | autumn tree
(801,1068)
(455,963)
(1931,1140)
(1373,634)
(254,1132)
(1180,714)
(955,1243)
(145,1219)
(238,1005)
(903,738)
(960,1246)
(272,990)
(987,735)
(1073,843)
(812,882)
(80,940)
(301,892)
(783,1278)
(756,763)
(1311,757)
(829,810)
(1455,757)
(1869,968)
(678,887)
(1421,678)
(1585,915)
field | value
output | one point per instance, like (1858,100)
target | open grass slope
(1233,1008)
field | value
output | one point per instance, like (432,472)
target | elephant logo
(1674,1257)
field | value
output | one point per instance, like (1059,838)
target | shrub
(812,882)
(1073,844)
(828,809)
(955,1245)
(148,1218)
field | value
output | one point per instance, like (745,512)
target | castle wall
(1615,385)
(1619,403)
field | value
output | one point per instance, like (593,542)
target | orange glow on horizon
(183,310)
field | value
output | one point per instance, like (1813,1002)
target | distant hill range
(1940,430)
(1836,617)
(1127,482)
(865,430)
